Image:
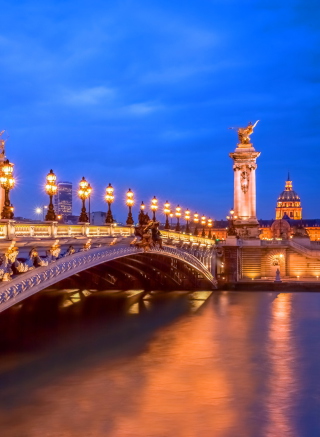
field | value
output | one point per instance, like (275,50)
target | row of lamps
(7,182)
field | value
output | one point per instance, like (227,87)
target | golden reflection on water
(283,381)
(198,376)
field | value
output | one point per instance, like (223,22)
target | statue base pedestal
(247,228)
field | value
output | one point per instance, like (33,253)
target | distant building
(98,218)
(289,203)
(63,199)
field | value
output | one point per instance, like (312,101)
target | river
(237,364)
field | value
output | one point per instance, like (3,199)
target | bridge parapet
(11,230)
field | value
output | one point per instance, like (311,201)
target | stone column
(244,166)
(2,158)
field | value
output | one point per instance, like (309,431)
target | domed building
(289,203)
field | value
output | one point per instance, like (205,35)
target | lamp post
(203,223)
(171,215)
(141,216)
(51,190)
(231,218)
(178,215)
(196,221)
(7,183)
(167,212)
(187,218)
(89,201)
(130,203)
(154,207)
(83,193)
(109,197)
(210,226)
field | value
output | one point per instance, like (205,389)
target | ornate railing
(305,250)
(30,282)
(11,230)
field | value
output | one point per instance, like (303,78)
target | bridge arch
(31,282)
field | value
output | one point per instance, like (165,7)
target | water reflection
(126,365)
(282,384)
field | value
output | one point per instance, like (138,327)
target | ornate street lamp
(51,190)
(154,207)
(130,203)
(231,218)
(203,223)
(196,221)
(187,218)
(178,215)
(171,215)
(141,216)
(83,193)
(109,197)
(7,183)
(210,226)
(167,212)
(89,201)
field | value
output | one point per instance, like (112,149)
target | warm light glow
(85,189)
(7,168)
(196,218)
(154,204)
(7,181)
(187,215)
(171,214)
(166,209)
(203,220)
(109,197)
(231,211)
(130,198)
(51,187)
(142,206)
(178,211)
(83,183)
(209,222)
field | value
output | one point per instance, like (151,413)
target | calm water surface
(244,364)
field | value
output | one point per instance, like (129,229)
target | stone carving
(245,178)
(86,246)
(278,278)
(149,234)
(300,232)
(54,252)
(280,229)
(245,132)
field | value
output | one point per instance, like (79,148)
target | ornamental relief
(244,180)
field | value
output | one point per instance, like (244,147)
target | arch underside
(144,270)
(105,268)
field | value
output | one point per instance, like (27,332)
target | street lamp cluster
(7,182)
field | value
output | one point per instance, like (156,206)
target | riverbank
(260,285)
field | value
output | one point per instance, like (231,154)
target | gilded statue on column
(245,132)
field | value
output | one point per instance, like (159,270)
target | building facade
(63,199)
(289,203)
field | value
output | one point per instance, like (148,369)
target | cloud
(88,96)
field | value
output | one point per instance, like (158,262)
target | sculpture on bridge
(245,132)
(149,234)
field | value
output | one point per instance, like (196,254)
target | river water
(238,364)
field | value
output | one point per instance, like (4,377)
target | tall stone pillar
(2,158)
(244,166)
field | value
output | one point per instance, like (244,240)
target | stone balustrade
(11,230)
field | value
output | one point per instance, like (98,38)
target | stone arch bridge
(103,256)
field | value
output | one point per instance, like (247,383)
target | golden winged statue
(245,132)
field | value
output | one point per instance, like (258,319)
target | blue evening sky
(140,93)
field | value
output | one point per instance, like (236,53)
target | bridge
(36,256)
